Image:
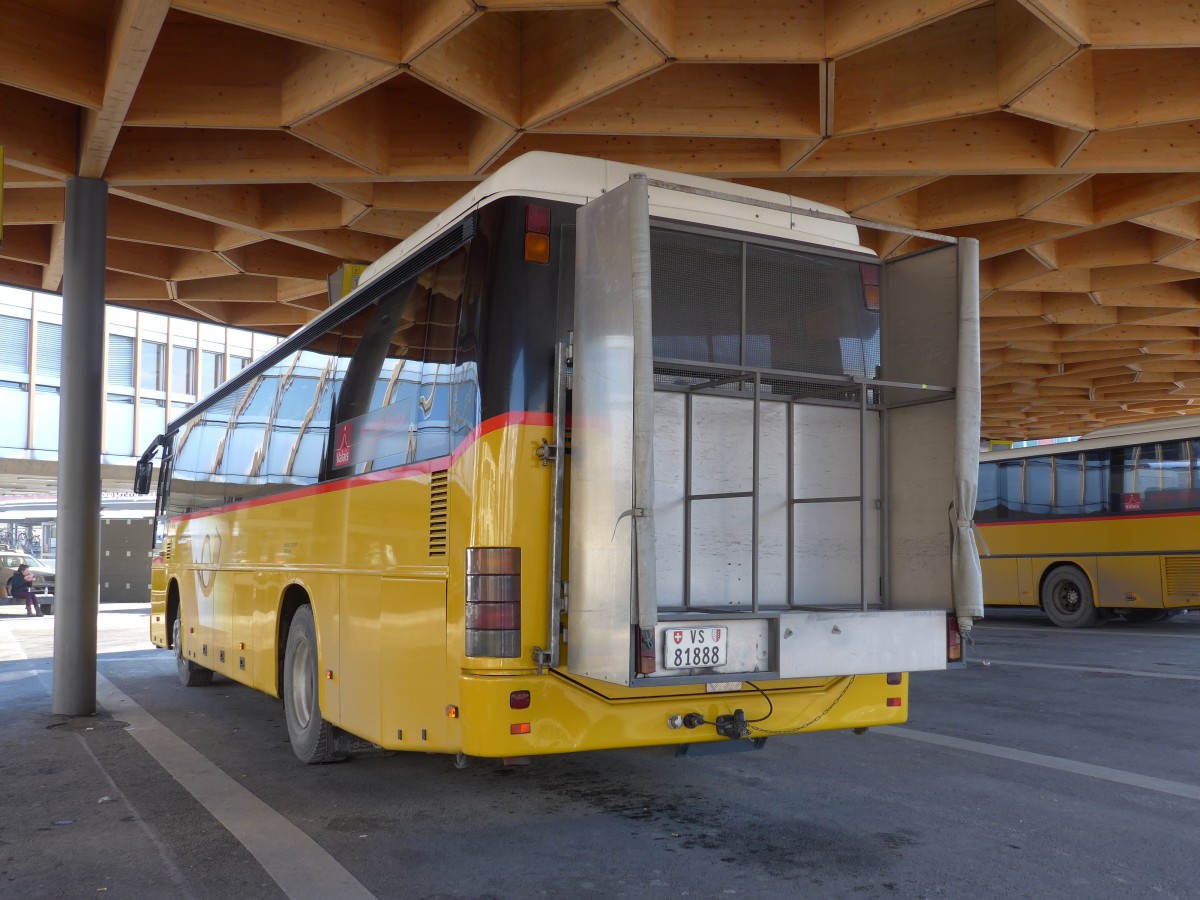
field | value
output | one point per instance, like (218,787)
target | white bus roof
(579,179)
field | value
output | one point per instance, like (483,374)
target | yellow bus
(1095,529)
(600,457)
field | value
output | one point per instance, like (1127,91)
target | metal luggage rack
(758,385)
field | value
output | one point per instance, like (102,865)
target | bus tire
(313,739)
(190,674)
(1067,598)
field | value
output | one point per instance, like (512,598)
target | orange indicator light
(893,701)
(329,674)
(519,728)
(451,711)
(537,247)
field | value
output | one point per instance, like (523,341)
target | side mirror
(142,475)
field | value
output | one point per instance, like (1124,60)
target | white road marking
(1049,631)
(1104,773)
(297,863)
(1135,672)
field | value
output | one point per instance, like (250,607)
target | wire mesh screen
(780,311)
(696,282)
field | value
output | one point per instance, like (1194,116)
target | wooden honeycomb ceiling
(253,146)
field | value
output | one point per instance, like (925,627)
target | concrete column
(77,579)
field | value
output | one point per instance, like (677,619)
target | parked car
(43,576)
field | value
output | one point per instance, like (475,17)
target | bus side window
(393,408)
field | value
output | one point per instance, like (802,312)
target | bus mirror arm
(145,468)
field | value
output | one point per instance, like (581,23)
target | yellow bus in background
(595,459)
(1095,529)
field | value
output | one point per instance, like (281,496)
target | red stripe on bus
(1124,517)
(496,423)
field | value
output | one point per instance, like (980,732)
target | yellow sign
(343,280)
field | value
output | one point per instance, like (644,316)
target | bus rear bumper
(566,716)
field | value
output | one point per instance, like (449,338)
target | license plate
(695,648)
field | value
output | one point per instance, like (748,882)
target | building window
(14,338)
(154,359)
(183,370)
(212,370)
(120,360)
(49,348)
(237,363)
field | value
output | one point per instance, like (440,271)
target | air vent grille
(1183,575)
(439,497)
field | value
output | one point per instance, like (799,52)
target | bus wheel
(1067,598)
(313,739)
(190,674)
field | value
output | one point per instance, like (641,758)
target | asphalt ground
(1057,764)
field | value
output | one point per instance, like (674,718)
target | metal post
(76,594)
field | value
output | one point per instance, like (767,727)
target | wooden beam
(1154,148)
(316,80)
(370,27)
(393,223)
(654,19)
(1028,50)
(760,100)
(998,238)
(356,131)
(173,156)
(1112,277)
(945,70)
(238,288)
(486,140)
(1010,269)
(732,158)
(28,243)
(1183,221)
(572,58)
(344,243)
(34,206)
(277,259)
(1146,87)
(764,31)
(289,207)
(124,287)
(1069,17)
(480,65)
(852,25)
(1023,304)
(133,30)
(967,199)
(1146,23)
(1175,295)
(978,144)
(1124,244)
(238,206)
(212,75)
(38,133)
(55,49)
(1065,95)
(52,272)
(1118,197)
(129,220)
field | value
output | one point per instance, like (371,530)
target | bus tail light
(953,641)
(494,602)
(537,234)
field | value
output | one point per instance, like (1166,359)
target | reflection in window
(394,406)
